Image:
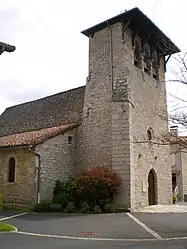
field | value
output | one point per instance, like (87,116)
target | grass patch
(6,227)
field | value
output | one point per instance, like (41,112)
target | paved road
(104,226)
(21,242)
(112,231)
(167,225)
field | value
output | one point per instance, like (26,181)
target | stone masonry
(57,161)
(121,103)
(23,190)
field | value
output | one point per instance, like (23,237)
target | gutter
(39,173)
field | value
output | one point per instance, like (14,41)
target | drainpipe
(39,170)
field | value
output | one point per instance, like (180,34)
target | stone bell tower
(124,88)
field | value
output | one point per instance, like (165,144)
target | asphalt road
(104,226)
(112,231)
(21,242)
(166,225)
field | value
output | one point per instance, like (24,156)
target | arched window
(138,54)
(150,134)
(11,170)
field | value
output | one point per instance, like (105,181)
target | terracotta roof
(61,108)
(34,137)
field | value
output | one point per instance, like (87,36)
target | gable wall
(23,190)
(57,161)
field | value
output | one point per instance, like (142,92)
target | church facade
(109,122)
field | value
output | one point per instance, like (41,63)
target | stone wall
(148,97)
(179,169)
(95,140)
(120,107)
(23,190)
(57,161)
(105,129)
(184,173)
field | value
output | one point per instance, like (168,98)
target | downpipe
(38,175)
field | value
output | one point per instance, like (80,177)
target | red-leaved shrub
(97,185)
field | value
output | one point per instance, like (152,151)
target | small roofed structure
(4,47)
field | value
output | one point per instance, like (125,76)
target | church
(109,122)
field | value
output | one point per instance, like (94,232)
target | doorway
(174,181)
(152,187)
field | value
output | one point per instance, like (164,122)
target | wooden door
(151,188)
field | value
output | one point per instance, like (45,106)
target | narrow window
(147,59)
(11,170)
(138,55)
(149,135)
(155,65)
(70,140)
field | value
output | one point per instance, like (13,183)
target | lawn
(6,227)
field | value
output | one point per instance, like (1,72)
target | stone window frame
(11,177)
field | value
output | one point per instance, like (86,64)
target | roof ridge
(55,94)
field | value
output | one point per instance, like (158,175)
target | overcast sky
(52,55)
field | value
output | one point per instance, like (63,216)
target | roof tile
(34,137)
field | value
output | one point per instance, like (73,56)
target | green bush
(1,201)
(111,208)
(95,187)
(55,207)
(103,202)
(42,207)
(84,207)
(64,193)
(70,208)
(62,199)
(97,210)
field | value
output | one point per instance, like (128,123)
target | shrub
(97,209)
(1,201)
(111,208)
(61,198)
(55,207)
(97,184)
(70,208)
(42,206)
(64,193)
(103,202)
(84,207)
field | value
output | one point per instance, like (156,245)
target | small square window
(70,140)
